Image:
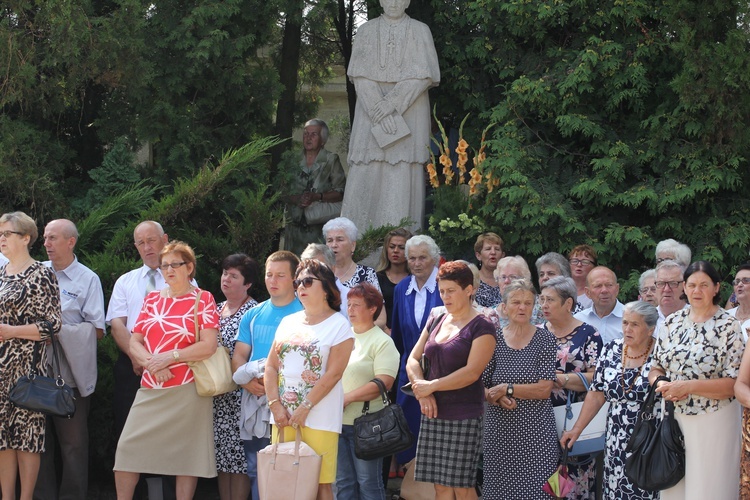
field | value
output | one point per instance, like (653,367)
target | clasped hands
(497,396)
(382,113)
(676,390)
(158,366)
(282,417)
(423,391)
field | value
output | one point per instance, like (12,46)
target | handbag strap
(383,394)
(569,401)
(647,408)
(195,316)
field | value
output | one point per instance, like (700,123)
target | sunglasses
(306,282)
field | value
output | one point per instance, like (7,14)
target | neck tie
(151,286)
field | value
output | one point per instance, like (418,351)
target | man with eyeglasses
(605,314)
(124,307)
(82,302)
(670,290)
(254,338)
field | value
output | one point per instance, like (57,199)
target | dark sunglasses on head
(307,282)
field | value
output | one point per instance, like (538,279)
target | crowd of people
(502,355)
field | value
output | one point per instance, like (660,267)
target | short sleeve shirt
(699,351)
(168,324)
(258,326)
(303,352)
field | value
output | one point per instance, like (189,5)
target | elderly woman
(578,348)
(488,250)
(317,186)
(374,356)
(551,265)
(29,315)
(520,438)
(304,367)
(392,267)
(169,430)
(621,379)
(647,287)
(458,345)
(413,299)
(239,274)
(341,237)
(582,260)
(670,249)
(741,284)
(699,349)
(508,270)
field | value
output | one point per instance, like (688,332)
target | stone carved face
(394,9)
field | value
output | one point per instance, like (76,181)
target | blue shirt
(258,326)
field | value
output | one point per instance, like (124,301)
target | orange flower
(434,182)
(480,157)
(462,146)
(445,160)
(490,182)
(463,158)
(474,182)
(448,173)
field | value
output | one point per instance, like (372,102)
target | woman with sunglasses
(304,368)
(29,315)
(169,430)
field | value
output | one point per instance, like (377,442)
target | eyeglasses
(507,277)
(671,284)
(6,234)
(581,262)
(647,289)
(173,265)
(744,281)
(306,282)
(547,300)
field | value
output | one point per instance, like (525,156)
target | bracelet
(307,404)
(567,379)
(272,402)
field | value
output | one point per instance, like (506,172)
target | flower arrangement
(454,223)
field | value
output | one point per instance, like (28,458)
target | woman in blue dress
(621,378)
(578,348)
(413,299)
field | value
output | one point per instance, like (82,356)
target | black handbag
(657,446)
(50,395)
(382,433)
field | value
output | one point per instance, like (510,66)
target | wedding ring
(294,426)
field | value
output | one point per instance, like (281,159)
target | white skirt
(712,455)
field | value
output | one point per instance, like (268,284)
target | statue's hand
(389,125)
(381,110)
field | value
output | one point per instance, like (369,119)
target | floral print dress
(625,390)
(578,352)
(230,453)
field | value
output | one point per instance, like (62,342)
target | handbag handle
(59,381)
(647,408)
(383,394)
(195,316)
(569,401)
(297,441)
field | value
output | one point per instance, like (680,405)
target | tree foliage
(619,123)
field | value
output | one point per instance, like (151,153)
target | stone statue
(393,65)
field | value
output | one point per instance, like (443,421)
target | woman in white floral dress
(239,274)
(621,378)
(699,349)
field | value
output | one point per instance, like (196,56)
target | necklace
(341,276)
(628,388)
(22,267)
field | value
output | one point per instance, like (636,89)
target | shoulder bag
(213,376)
(656,447)
(49,395)
(288,471)
(381,433)
(320,212)
(592,439)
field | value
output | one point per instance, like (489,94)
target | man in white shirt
(606,312)
(670,289)
(124,307)
(82,302)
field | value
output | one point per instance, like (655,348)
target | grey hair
(474,271)
(564,286)
(554,259)
(518,286)
(423,239)
(317,122)
(342,224)
(651,273)
(314,250)
(669,263)
(682,253)
(516,260)
(644,310)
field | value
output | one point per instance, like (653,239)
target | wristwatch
(509,391)
(176,355)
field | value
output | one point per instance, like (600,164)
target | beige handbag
(288,471)
(213,376)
